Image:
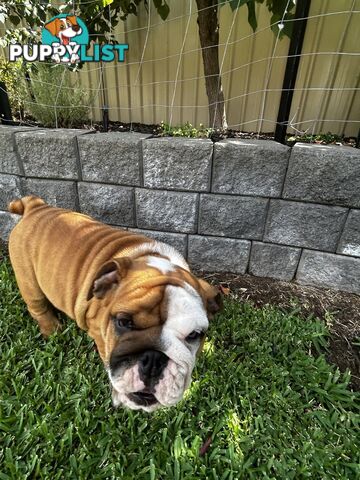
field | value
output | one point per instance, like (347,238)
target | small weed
(186,130)
(322,138)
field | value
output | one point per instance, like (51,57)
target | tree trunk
(209,39)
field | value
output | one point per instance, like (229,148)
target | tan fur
(53,27)
(57,255)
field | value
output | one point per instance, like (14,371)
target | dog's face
(64,28)
(149,319)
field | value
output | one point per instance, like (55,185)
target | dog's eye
(123,321)
(194,335)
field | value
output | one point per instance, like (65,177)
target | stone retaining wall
(237,205)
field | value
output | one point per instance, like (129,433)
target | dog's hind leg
(38,305)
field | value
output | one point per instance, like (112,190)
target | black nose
(76,28)
(152,364)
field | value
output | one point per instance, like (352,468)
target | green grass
(273,410)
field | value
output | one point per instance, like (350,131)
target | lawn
(272,406)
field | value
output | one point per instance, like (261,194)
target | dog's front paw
(49,327)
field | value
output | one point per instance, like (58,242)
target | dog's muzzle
(150,367)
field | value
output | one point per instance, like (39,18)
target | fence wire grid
(162,78)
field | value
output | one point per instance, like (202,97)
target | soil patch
(340,311)
(215,136)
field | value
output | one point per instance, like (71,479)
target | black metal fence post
(5,109)
(292,65)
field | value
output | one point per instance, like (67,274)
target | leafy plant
(322,138)
(186,130)
(12,74)
(54,96)
(101,16)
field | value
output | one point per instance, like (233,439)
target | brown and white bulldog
(134,296)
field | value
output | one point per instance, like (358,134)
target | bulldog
(136,297)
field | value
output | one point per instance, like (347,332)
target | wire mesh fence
(162,78)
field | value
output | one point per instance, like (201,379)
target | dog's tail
(23,205)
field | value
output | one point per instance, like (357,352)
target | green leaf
(105,3)
(252,15)
(234,4)
(162,8)
(287,26)
(14,19)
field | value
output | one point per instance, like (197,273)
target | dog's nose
(76,28)
(152,364)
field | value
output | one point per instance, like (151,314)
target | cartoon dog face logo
(65,29)
(65,34)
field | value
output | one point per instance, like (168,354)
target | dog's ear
(72,19)
(213,297)
(109,276)
(52,26)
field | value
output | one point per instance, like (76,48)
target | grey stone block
(329,270)
(275,261)
(49,153)
(249,167)
(177,163)
(8,158)
(350,239)
(111,157)
(304,224)
(10,189)
(218,254)
(7,223)
(107,203)
(58,193)
(323,173)
(230,216)
(176,240)
(162,210)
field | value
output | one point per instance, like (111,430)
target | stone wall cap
(54,132)
(181,140)
(334,149)
(116,136)
(17,128)
(249,142)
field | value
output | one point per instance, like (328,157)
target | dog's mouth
(143,397)
(65,40)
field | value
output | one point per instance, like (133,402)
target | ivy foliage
(281,11)
(102,16)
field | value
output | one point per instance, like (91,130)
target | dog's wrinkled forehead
(159,297)
(157,292)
